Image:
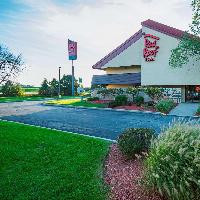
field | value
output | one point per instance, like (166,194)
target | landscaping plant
(135,141)
(198,110)
(165,105)
(154,93)
(173,164)
(121,100)
(112,104)
(139,100)
(92,98)
(134,91)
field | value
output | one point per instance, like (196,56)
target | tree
(11,89)
(189,45)
(134,91)
(54,84)
(154,93)
(66,85)
(10,64)
(45,88)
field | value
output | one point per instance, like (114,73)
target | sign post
(72,49)
(59,93)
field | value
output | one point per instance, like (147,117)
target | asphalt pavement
(101,123)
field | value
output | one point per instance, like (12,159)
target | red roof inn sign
(151,49)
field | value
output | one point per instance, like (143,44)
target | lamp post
(59,95)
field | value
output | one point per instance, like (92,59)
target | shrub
(173,165)
(165,105)
(92,98)
(11,89)
(139,100)
(154,92)
(198,110)
(135,140)
(112,104)
(121,100)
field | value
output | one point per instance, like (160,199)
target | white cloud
(41,33)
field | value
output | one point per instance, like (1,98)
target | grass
(19,99)
(31,98)
(38,163)
(31,89)
(75,102)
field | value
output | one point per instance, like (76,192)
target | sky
(39,29)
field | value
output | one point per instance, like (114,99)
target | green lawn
(75,102)
(18,99)
(31,89)
(30,98)
(37,163)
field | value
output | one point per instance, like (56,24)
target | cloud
(41,31)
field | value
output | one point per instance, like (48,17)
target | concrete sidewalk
(185,109)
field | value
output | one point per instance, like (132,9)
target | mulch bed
(123,176)
(101,101)
(132,107)
(135,107)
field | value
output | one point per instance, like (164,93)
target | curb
(119,110)
(53,129)
(107,109)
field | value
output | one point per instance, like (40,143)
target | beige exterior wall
(159,72)
(130,56)
(117,86)
(123,70)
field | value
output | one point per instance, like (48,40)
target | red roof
(168,30)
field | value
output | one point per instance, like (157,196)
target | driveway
(101,123)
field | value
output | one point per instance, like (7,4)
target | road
(101,123)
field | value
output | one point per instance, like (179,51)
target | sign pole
(59,95)
(72,78)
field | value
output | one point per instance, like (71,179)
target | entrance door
(193,93)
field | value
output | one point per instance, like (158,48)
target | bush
(135,140)
(112,104)
(198,110)
(92,98)
(173,165)
(121,100)
(165,105)
(154,93)
(11,89)
(139,100)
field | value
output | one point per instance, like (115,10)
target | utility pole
(59,95)
(72,78)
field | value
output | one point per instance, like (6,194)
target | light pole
(59,95)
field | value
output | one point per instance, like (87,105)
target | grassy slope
(39,163)
(75,102)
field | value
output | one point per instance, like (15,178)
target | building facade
(143,59)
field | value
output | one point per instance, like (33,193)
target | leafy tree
(54,85)
(10,64)
(154,92)
(66,85)
(189,45)
(134,91)
(45,88)
(10,89)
